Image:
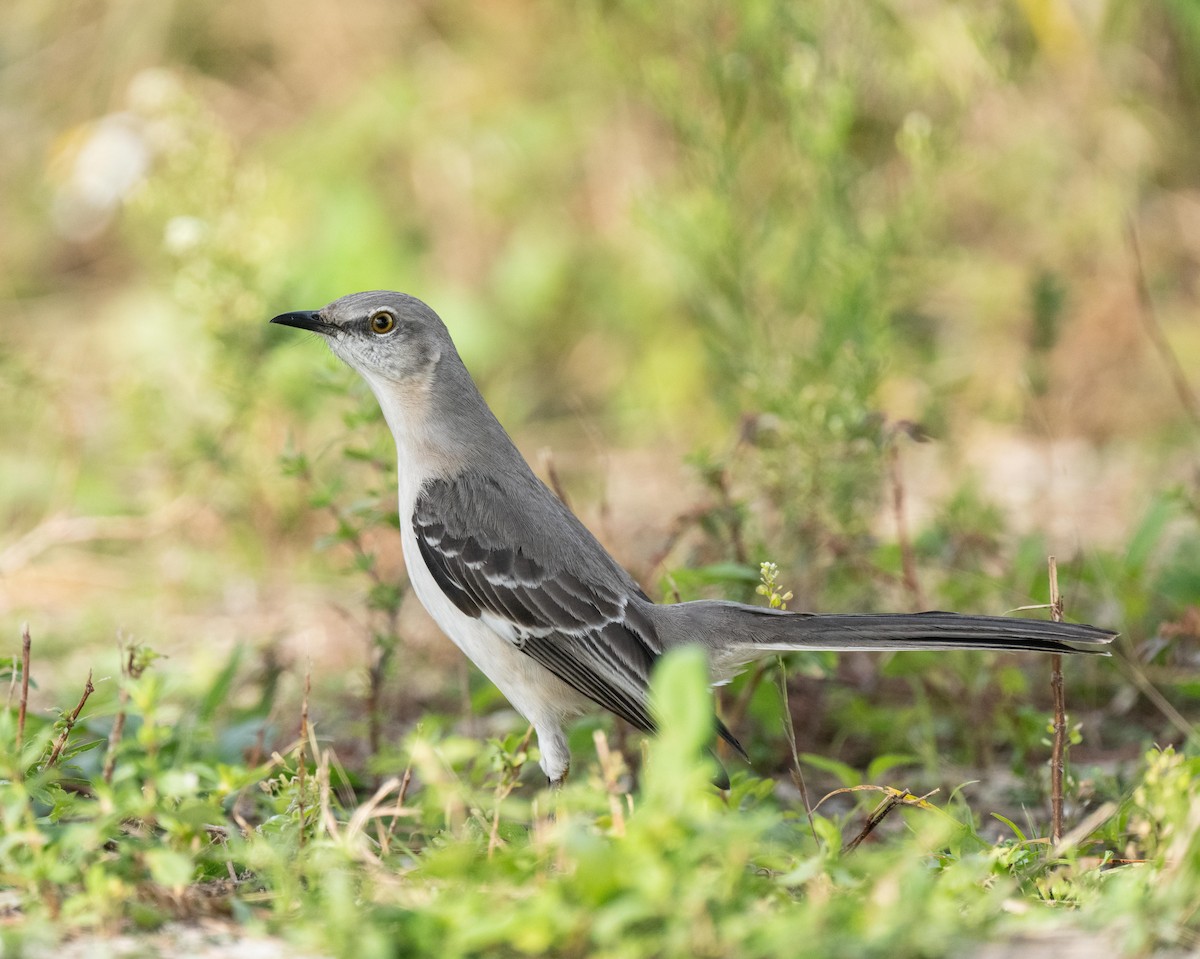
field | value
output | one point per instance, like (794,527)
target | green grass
(462,856)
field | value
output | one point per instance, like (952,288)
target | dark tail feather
(725,734)
(721,780)
(735,634)
(930,631)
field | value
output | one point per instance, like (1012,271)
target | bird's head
(384,336)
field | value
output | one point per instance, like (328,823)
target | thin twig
(114,736)
(381,658)
(894,798)
(1094,820)
(26,643)
(610,770)
(1134,672)
(908,561)
(300,760)
(64,530)
(1179,380)
(1059,749)
(797,770)
(325,791)
(494,832)
(88,689)
(508,782)
(679,526)
(546,456)
(405,780)
(118,727)
(369,810)
(729,505)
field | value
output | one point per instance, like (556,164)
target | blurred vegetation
(776,245)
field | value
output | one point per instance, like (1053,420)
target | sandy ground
(204,939)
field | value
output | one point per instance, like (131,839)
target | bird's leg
(557,784)
(556,758)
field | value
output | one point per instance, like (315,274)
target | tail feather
(929,631)
(736,634)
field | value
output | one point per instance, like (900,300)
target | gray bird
(528,593)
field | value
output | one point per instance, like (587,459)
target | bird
(528,593)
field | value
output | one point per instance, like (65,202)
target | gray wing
(508,549)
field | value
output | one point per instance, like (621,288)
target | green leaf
(680,698)
(169,868)
(843,773)
(76,749)
(217,694)
(881,765)
(1149,533)
(828,832)
(1011,825)
(682,705)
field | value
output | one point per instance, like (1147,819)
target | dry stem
(300,761)
(129,671)
(26,643)
(555,481)
(1183,390)
(797,770)
(610,770)
(1059,749)
(60,530)
(894,798)
(88,689)
(115,734)
(908,561)
(507,784)
(401,795)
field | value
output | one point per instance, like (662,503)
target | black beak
(303,320)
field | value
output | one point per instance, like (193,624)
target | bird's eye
(382,322)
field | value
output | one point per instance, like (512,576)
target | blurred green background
(714,265)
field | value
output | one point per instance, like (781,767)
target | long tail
(934,630)
(736,634)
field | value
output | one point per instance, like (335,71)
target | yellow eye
(382,322)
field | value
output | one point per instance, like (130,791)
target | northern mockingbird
(521,586)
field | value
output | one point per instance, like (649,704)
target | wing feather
(578,613)
(576,621)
